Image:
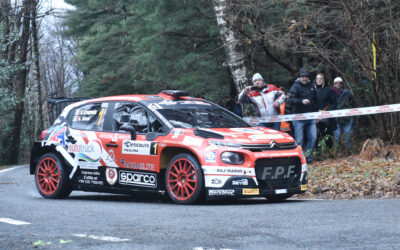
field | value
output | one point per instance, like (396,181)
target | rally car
(171,143)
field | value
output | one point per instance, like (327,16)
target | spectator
(266,98)
(232,104)
(237,109)
(326,100)
(345,101)
(229,103)
(303,99)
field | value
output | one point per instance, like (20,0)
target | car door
(86,123)
(137,158)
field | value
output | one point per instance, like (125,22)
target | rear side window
(88,117)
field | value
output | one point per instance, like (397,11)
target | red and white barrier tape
(326,114)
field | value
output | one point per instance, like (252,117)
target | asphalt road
(105,221)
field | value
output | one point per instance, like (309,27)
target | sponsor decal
(114,136)
(216,181)
(231,170)
(88,165)
(221,192)
(111,155)
(303,187)
(247,130)
(211,147)
(192,141)
(241,182)
(137,179)
(90,152)
(83,115)
(139,147)
(278,172)
(221,170)
(138,166)
(251,191)
(90,177)
(280,191)
(167,102)
(211,157)
(303,167)
(280,154)
(111,175)
(58,135)
(176,133)
(212,181)
(153,97)
(266,137)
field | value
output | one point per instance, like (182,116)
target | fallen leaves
(355,177)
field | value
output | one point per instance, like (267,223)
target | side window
(154,124)
(89,116)
(137,116)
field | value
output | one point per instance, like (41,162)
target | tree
(237,58)
(148,46)
(19,82)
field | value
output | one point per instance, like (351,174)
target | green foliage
(7,103)
(147,46)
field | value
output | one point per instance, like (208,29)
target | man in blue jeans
(303,99)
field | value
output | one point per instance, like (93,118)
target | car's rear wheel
(184,179)
(51,177)
(278,197)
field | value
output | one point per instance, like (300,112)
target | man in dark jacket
(303,99)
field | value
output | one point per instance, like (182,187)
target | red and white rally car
(185,146)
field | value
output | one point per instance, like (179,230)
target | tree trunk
(37,69)
(20,80)
(5,12)
(235,53)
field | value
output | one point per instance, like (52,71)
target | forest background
(208,47)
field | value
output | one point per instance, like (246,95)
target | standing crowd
(304,96)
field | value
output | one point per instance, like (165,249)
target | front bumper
(243,186)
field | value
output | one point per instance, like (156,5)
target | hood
(251,135)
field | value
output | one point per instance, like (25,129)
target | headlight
(232,158)
(225,144)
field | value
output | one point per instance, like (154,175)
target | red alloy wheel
(48,176)
(182,179)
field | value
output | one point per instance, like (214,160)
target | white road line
(103,238)
(8,169)
(14,222)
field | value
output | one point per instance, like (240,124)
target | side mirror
(130,128)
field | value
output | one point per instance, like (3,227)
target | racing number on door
(153,148)
(100,116)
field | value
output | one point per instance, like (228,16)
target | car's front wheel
(184,179)
(51,177)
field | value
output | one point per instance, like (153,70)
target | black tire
(277,198)
(184,179)
(51,177)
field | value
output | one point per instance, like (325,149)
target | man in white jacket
(266,99)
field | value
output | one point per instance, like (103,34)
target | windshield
(202,117)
